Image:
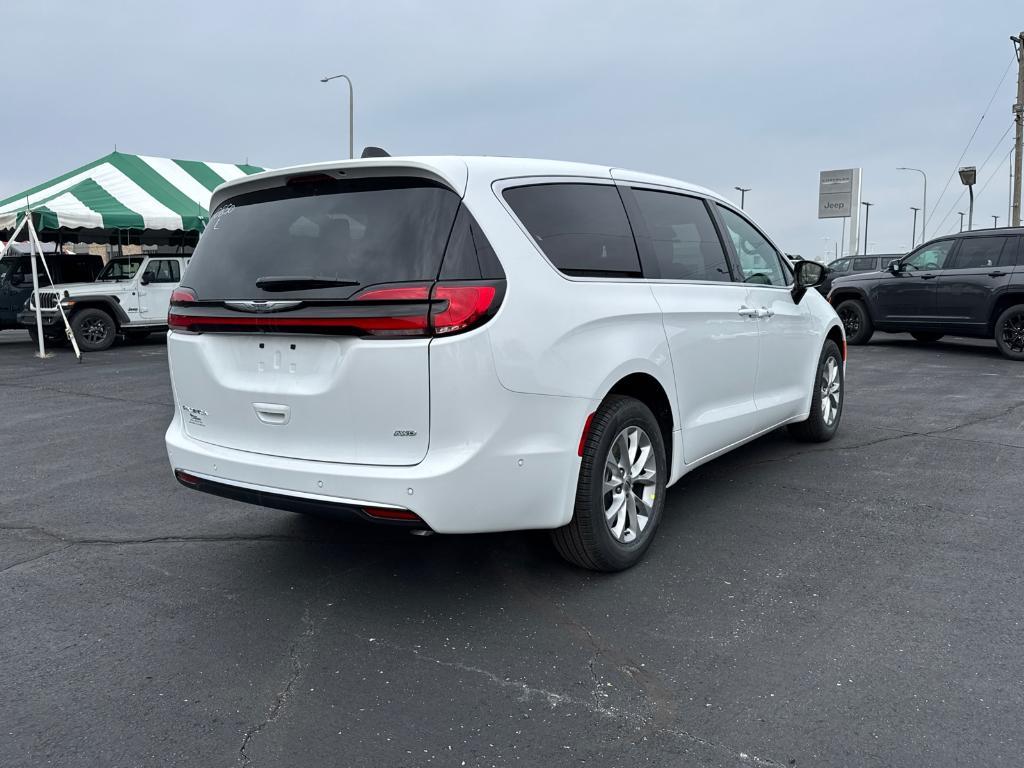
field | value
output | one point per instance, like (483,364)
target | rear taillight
(467,306)
(404,311)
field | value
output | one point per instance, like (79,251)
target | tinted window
(682,237)
(931,256)
(760,262)
(364,231)
(1012,253)
(582,228)
(164,270)
(864,264)
(469,255)
(840,265)
(978,252)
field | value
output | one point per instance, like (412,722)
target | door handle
(745,311)
(928,277)
(997,273)
(765,312)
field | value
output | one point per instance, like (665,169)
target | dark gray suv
(968,284)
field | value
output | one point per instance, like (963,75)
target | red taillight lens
(186,478)
(467,304)
(183,296)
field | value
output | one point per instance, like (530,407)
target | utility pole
(913,231)
(1018,116)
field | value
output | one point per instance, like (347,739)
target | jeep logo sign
(838,193)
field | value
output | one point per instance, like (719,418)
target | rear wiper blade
(301,283)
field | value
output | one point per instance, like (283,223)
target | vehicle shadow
(952,344)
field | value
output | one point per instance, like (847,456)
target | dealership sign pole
(839,197)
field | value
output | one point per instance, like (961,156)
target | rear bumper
(518,471)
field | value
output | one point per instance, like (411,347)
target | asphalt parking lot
(857,603)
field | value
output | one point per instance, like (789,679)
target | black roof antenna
(374,152)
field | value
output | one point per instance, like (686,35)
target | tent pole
(63,315)
(35,285)
(14,236)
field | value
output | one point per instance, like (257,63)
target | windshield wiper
(301,283)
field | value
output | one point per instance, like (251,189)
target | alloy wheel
(630,483)
(831,391)
(1013,332)
(94,330)
(850,320)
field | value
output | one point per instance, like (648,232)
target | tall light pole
(743,195)
(961,220)
(924,202)
(968,176)
(867,213)
(351,111)
(995,222)
(913,229)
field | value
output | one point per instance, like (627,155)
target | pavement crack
(124,541)
(32,559)
(296,667)
(554,699)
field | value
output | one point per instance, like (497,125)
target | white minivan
(467,344)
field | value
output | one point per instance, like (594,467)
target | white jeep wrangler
(129,298)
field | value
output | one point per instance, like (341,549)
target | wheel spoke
(616,507)
(634,523)
(647,477)
(611,484)
(643,455)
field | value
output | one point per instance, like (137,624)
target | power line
(980,167)
(935,207)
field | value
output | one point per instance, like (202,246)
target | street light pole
(913,230)
(924,203)
(351,111)
(968,176)
(995,222)
(743,195)
(961,220)
(867,213)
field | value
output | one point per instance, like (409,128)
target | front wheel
(621,491)
(827,401)
(856,321)
(94,329)
(1010,332)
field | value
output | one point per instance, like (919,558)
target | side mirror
(809,274)
(894,266)
(148,277)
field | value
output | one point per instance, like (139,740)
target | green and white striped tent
(140,198)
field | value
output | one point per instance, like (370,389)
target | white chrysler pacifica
(467,344)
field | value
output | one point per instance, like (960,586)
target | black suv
(968,284)
(16,279)
(849,265)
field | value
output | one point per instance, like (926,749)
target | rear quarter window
(581,228)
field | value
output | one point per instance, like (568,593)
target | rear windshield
(364,232)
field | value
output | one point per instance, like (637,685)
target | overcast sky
(755,94)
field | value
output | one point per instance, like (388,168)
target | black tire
(816,428)
(588,541)
(51,339)
(1009,332)
(926,338)
(94,329)
(856,321)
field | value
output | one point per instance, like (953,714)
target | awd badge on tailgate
(195,416)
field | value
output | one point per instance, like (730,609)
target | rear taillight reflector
(185,478)
(387,513)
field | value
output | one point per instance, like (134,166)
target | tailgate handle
(271,413)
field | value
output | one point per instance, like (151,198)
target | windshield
(324,239)
(121,268)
